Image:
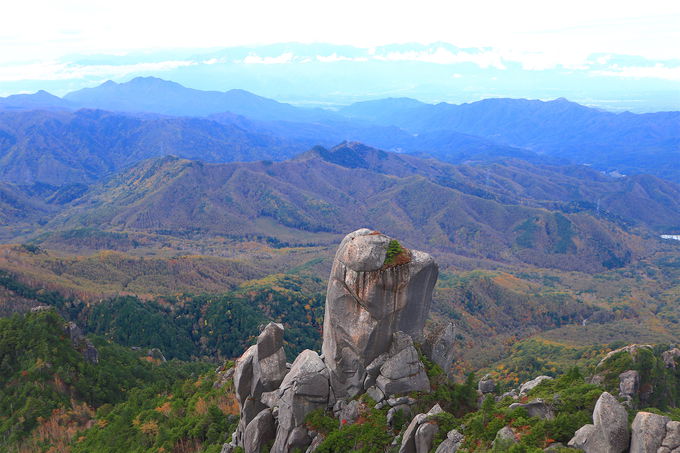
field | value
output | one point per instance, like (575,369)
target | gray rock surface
(671,442)
(259,432)
(305,388)
(669,357)
(629,383)
(648,432)
(505,437)
(408,439)
(609,431)
(403,371)
(350,412)
(530,385)
(536,408)
(367,302)
(452,443)
(440,347)
(80,342)
(405,410)
(424,436)
(486,385)
(258,372)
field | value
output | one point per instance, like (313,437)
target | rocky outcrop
(536,408)
(609,431)
(439,347)
(305,388)
(402,371)
(631,349)
(80,342)
(532,384)
(453,442)
(369,298)
(260,369)
(629,385)
(379,295)
(652,433)
(669,357)
(419,434)
(486,385)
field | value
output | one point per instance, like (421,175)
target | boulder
(671,442)
(367,301)
(259,432)
(629,383)
(269,366)
(486,385)
(452,443)
(609,431)
(403,371)
(439,347)
(536,408)
(530,385)
(305,388)
(350,412)
(505,437)
(424,436)
(376,394)
(648,432)
(409,438)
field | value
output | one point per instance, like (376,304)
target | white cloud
(483,59)
(284,58)
(657,71)
(334,57)
(54,70)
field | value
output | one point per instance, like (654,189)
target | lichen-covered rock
(609,431)
(648,432)
(367,301)
(536,408)
(440,347)
(305,388)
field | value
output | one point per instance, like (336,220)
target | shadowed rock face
(368,301)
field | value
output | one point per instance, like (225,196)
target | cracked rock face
(368,301)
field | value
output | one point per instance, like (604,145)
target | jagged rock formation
(609,431)
(80,342)
(370,298)
(439,347)
(260,369)
(420,432)
(378,298)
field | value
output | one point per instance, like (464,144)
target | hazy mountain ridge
(554,131)
(331,191)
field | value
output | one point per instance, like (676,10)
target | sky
(68,44)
